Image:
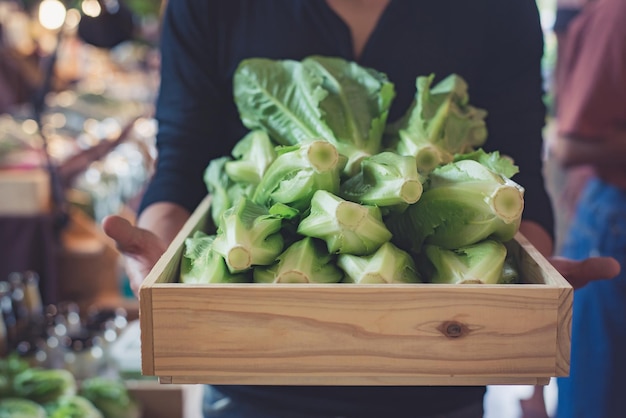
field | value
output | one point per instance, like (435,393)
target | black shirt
(495,45)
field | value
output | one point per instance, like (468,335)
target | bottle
(8,331)
(32,295)
(33,302)
(20,310)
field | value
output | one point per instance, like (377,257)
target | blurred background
(78,81)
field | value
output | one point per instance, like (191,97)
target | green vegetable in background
(52,393)
(43,385)
(10,366)
(21,408)
(72,407)
(110,397)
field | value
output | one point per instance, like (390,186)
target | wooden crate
(339,334)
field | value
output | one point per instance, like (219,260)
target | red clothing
(592,78)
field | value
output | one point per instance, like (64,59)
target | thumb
(579,273)
(132,241)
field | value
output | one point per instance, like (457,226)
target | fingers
(122,232)
(131,240)
(601,267)
(579,273)
(141,248)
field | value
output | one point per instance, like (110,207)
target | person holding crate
(496,46)
(591,119)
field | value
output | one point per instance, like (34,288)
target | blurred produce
(57,359)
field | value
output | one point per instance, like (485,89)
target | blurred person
(563,184)
(496,46)
(591,117)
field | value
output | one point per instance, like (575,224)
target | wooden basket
(340,334)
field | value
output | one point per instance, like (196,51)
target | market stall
(76,144)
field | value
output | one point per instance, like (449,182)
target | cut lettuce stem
(297,172)
(388,264)
(385,179)
(200,264)
(507,202)
(463,202)
(347,227)
(248,235)
(480,263)
(322,156)
(427,156)
(305,261)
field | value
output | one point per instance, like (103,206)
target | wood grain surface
(335,334)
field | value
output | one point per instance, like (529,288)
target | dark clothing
(216,405)
(495,45)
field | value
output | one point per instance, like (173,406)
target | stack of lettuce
(31,392)
(324,190)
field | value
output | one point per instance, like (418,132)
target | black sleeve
(188,105)
(511,89)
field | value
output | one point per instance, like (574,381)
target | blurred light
(112,6)
(97,352)
(91,126)
(29,126)
(52,14)
(110,335)
(91,8)
(58,120)
(41,356)
(92,175)
(52,342)
(146,127)
(73,18)
(60,329)
(65,98)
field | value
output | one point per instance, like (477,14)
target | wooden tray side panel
(536,269)
(379,380)
(564,333)
(295,335)
(166,270)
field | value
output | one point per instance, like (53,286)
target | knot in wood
(453,329)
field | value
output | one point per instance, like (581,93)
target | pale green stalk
(305,261)
(388,264)
(347,227)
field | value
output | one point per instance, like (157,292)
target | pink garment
(592,78)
